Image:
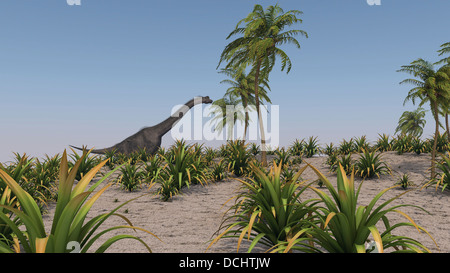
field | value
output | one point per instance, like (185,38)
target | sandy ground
(189,221)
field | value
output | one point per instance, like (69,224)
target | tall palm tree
(258,48)
(445,49)
(412,122)
(430,87)
(226,112)
(445,107)
(242,85)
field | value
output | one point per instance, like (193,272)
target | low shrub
(130,177)
(238,157)
(269,211)
(369,164)
(69,217)
(218,171)
(346,147)
(311,147)
(361,144)
(345,228)
(404,182)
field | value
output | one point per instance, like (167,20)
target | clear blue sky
(96,73)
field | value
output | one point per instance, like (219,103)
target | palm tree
(226,112)
(444,109)
(257,48)
(445,49)
(430,87)
(242,86)
(412,123)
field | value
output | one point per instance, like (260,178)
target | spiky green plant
(346,227)
(168,188)
(345,161)
(87,162)
(209,155)
(402,144)
(21,171)
(113,158)
(442,144)
(51,164)
(296,149)
(288,175)
(311,147)
(442,179)
(269,211)
(418,146)
(132,158)
(7,199)
(361,144)
(238,157)
(383,143)
(404,181)
(130,177)
(331,161)
(143,154)
(346,147)
(42,180)
(70,213)
(444,167)
(282,157)
(270,150)
(219,170)
(199,171)
(254,149)
(178,164)
(370,164)
(329,149)
(152,168)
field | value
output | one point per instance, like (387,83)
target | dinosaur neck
(165,126)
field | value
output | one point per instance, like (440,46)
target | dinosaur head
(206,100)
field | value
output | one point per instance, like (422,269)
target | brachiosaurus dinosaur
(150,137)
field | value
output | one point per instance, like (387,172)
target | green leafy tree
(242,85)
(412,122)
(258,47)
(431,86)
(226,112)
(445,49)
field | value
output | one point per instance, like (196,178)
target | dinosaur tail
(98,151)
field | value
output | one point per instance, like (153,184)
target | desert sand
(188,222)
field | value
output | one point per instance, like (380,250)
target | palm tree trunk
(263,139)
(245,104)
(446,125)
(433,152)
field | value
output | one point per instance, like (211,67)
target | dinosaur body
(150,137)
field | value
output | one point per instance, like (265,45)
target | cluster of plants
(21,224)
(38,176)
(442,179)
(307,148)
(270,212)
(367,165)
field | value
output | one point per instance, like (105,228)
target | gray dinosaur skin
(150,137)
